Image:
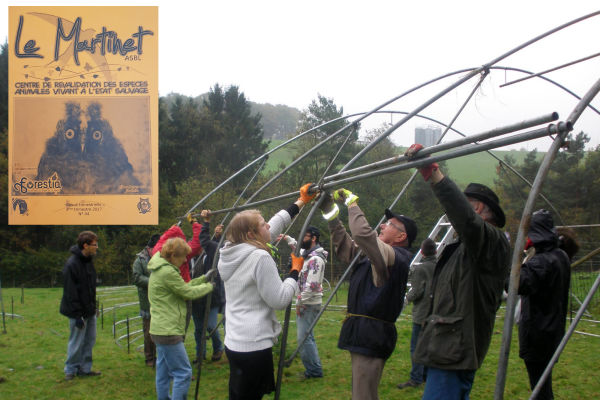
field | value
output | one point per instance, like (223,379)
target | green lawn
(32,355)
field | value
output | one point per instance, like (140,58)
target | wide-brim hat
(409,224)
(488,197)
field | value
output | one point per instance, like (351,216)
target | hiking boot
(69,377)
(407,384)
(217,355)
(90,373)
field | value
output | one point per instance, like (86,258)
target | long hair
(242,225)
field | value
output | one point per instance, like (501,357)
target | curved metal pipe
(461,81)
(521,235)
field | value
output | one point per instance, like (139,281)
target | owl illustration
(64,151)
(112,171)
(87,157)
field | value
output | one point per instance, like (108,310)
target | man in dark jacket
(79,304)
(141,275)
(544,289)
(467,287)
(217,301)
(420,278)
(377,287)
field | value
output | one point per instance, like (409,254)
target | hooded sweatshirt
(167,293)
(253,291)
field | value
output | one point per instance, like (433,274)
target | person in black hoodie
(217,301)
(78,303)
(544,289)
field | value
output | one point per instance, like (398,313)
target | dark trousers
(250,374)
(535,369)
(149,346)
(418,372)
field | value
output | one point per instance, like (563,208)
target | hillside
(480,167)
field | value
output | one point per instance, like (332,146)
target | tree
(235,135)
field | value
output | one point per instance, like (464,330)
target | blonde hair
(242,225)
(175,247)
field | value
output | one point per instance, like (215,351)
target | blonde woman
(253,291)
(167,293)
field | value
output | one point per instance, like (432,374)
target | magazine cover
(83,115)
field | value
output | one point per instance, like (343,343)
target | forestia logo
(22,204)
(50,185)
(144,205)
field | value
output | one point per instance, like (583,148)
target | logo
(144,205)
(50,185)
(22,204)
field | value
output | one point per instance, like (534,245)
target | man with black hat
(467,286)
(309,298)
(141,275)
(377,286)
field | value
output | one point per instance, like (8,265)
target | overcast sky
(362,53)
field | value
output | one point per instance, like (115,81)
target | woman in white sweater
(253,291)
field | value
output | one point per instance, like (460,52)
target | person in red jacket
(194,243)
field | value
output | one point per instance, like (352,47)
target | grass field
(33,350)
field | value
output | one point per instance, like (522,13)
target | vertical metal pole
(114,324)
(102,316)
(128,334)
(515,272)
(286,323)
(3,313)
(22,295)
(12,307)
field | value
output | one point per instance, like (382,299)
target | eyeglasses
(390,223)
(93,244)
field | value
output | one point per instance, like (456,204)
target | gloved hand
(425,171)
(191,219)
(306,197)
(329,209)
(205,288)
(274,252)
(198,281)
(79,323)
(297,263)
(345,196)
(202,279)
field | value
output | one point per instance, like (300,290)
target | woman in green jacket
(167,293)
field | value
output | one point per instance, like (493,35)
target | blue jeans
(448,385)
(212,323)
(305,315)
(172,363)
(79,348)
(418,371)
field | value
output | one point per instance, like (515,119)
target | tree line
(204,140)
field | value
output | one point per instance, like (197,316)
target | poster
(83,115)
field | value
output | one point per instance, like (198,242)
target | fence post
(127,334)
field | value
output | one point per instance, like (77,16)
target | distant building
(428,136)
